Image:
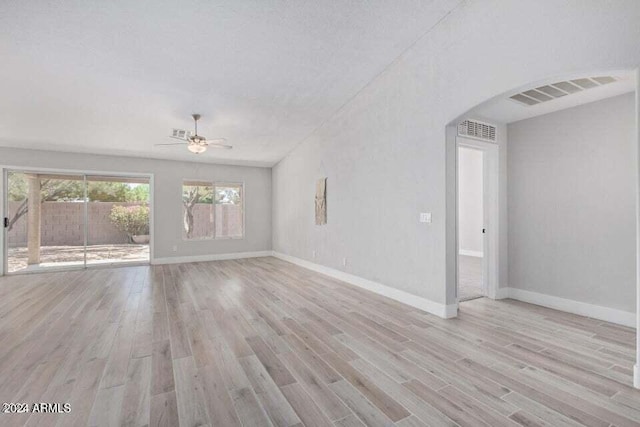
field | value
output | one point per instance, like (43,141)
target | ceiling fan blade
(174,143)
(180,139)
(218,143)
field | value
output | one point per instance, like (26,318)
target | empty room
(320,213)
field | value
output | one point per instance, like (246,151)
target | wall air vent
(559,89)
(477,130)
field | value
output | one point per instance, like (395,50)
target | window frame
(214,184)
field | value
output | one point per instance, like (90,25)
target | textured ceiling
(116,77)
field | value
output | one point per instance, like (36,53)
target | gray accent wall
(571,203)
(167,196)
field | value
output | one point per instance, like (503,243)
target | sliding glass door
(118,218)
(62,221)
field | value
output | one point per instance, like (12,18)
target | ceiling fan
(196,143)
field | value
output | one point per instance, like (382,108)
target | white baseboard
(636,376)
(478,254)
(502,293)
(212,257)
(440,310)
(599,312)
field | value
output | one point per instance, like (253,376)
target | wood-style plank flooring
(469,277)
(261,342)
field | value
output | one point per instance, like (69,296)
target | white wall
(168,176)
(571,203)
(384,152)
(470,201)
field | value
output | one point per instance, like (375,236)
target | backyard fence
(62,223)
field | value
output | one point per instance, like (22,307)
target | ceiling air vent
(559,89)
(477,130)
(181,133)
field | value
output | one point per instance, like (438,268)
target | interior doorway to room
(477,218)
(66,220)
(471,230)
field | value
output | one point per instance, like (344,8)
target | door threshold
(34,269)
(471,298)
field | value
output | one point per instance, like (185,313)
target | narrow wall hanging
(321,201)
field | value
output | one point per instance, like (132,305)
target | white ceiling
(505,110)
(116,77)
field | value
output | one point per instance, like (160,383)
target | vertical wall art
(321,201)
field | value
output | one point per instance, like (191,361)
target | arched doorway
(543,98)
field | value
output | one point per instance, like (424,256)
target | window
(212,211)
(197,210)
(228,211)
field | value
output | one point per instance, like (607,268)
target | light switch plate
(425,217)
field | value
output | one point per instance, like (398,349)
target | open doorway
(571,204)
(477,212)
(470,223)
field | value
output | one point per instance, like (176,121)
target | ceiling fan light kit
(197,148)
(197,144)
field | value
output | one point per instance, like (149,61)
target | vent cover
(181,133)
(477,130)
(559,89)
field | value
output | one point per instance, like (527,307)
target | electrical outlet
(425,217)
(175,248)
(313,254)
(344,261)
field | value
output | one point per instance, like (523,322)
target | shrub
(133,220)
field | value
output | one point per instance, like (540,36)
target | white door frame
(490,206)
(636,367)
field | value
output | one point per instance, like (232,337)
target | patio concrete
(65,256)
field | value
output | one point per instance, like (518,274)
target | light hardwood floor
(262,342)
(469,277)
